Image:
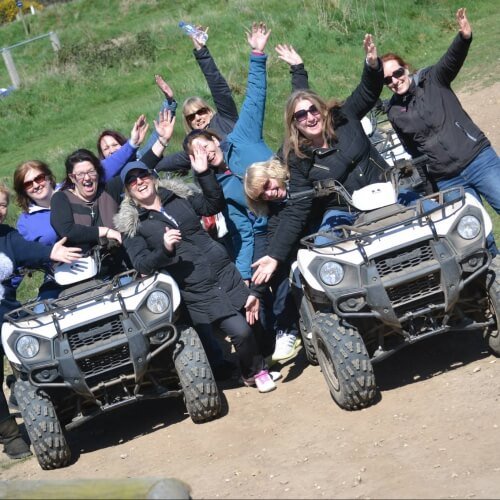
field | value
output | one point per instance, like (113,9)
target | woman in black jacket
(161,228)
(429,119)
(325,142)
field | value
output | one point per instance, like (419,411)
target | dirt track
(433,434)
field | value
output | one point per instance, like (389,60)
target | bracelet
(164,144)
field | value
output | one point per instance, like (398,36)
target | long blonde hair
(294,139)
(256,177)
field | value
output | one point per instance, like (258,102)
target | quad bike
(99,346)
(399,275)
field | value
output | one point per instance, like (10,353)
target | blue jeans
(481,177)
(331,219)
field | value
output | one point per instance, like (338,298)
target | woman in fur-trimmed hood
(160,225)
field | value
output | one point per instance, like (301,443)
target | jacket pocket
(462,128)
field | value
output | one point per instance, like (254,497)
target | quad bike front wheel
(492,335)
(201,394)
(307,341)
(345,362)
(43,426)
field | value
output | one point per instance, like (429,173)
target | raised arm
(447,68)
(251,121)
(300,78)
(219,88)
(365,95)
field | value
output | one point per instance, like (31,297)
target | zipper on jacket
(471,137)
(322,167)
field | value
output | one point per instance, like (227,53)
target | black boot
(13,444)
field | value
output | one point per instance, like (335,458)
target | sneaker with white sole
(264,380)
(286,346)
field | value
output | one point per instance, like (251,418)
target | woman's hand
(164,87)
(60,253)
(257,37)
(265,268)
(252,309)
(199,159)
(370,51)
(198,45)
(463,23)
(165,126)
(138,132)
(288,54)
(171,238)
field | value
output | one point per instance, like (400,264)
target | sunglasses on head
(201,111)
(132,179)
(395,74)
(301,114)
(39,179)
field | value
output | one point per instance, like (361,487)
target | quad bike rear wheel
(492,336)
(201,394)
(43,426)
(345,362)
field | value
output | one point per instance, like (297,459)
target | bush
(89,56)
(9,10)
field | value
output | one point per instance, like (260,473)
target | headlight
(468,227)
(158,302)
(331,273)
(27,346)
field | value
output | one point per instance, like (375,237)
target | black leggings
(245,339)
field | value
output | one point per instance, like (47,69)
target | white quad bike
(99,346)
(399,275)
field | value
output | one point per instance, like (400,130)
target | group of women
(239,285)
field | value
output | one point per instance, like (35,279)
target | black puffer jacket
(351,159)
(210,284)
(430,120)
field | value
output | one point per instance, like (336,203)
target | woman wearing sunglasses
(160,223)
(197,113)
(429,119)
(324,141)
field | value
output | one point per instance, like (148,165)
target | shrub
(9,10)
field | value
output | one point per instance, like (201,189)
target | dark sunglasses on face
(201,112)
(132,179)
(301,114)
(39,179)
(395,74)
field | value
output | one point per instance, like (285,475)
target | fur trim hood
(127,219)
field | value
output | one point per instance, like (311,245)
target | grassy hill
(111,50)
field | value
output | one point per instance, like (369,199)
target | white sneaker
(286,347)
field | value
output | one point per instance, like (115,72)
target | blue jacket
(242,147)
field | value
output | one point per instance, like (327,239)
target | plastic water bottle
(199,35)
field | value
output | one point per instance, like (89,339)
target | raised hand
(463,23)
(164,87)
(257,37)
(197,44)
(165,125)
(171,238)
(370,50)
(288,54)
(138,132)
(60,253)
(199,159)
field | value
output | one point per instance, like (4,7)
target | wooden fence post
(54,39)
(11,68)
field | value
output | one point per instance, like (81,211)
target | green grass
(61,108)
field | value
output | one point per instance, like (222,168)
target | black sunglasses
(201,111)
(395,74)
(132,179)
(301,114)
(39,179)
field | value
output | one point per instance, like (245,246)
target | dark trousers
(245,339)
